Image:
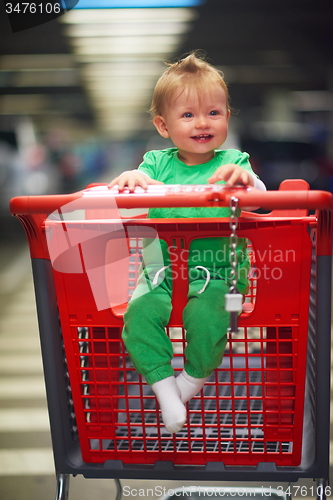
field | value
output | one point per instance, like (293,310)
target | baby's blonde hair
(190,72)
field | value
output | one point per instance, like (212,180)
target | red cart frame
(263,414)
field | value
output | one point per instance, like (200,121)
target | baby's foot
(189,386)
(172,408)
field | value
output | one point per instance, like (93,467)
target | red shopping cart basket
(259,407)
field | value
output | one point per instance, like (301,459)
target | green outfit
(204,317)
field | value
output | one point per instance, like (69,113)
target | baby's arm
(132,178)
(233,174)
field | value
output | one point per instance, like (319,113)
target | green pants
(204,317)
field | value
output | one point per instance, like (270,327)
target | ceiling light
(116,4)
(117,43)
(137,105)
(126,29)
(127,49)
(124,68)
(128,15)
(105,86)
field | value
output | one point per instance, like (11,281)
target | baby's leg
(206,322)
(151,351)
(144,335)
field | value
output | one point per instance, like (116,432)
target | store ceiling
(97,73)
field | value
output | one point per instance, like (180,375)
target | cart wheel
(321,489)
(62,487)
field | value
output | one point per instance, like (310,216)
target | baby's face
(197,123)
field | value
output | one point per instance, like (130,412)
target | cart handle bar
(173,195)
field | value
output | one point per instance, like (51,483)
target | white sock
(168,397)
(189,386)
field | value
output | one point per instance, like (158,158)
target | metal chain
(233,241)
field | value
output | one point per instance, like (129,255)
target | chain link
(233,241)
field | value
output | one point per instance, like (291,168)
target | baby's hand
(232,174)
(130,179)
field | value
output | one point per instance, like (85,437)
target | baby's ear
(160,125)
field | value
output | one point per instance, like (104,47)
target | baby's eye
(214,112)
(187,115)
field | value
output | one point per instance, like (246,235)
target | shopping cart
(264,413)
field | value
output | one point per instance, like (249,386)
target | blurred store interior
(74,92)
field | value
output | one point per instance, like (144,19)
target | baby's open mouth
(202,137)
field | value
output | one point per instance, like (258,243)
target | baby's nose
(201,121)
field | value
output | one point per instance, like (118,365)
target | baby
(191,107)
